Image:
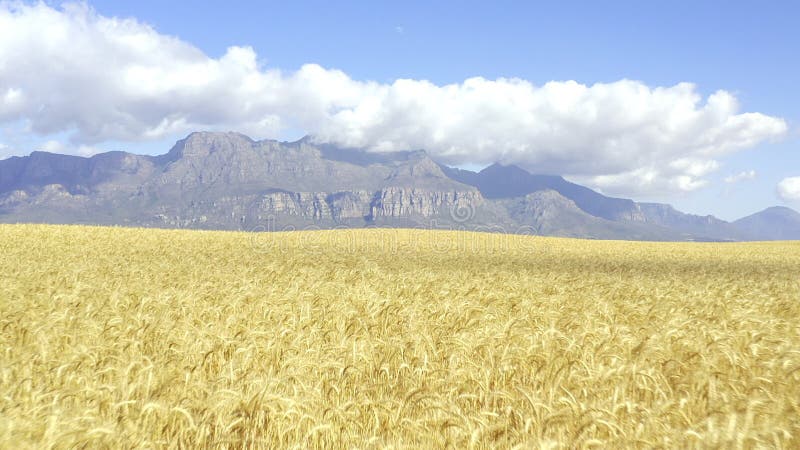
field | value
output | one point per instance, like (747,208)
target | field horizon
(118,337)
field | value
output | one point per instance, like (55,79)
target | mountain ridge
(230,181)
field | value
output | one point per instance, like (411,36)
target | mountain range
(229,181)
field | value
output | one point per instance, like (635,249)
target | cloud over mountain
(789,189)
(99,78)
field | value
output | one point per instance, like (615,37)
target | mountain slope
(229,181)
(776,223)
(549,213)
(508,181)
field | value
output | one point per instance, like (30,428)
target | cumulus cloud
(789,189)
(99,78)
(741,176)
(55,146)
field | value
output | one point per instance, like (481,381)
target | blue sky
(747,49)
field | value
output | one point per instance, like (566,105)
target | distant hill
(229,181)
(776,223)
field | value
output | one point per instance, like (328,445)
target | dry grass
(126,338)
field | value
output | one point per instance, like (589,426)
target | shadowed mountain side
(508,181)
(776,223)
(552,214)
(501,181)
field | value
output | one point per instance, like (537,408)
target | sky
(688,103)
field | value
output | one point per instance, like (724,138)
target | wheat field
(132,338)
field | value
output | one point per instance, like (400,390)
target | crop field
(133,338)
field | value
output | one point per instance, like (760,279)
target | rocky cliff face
(388,203)
(350,208)
(308,205)
(350,205)
(396,202)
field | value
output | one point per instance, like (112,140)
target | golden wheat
(123,338)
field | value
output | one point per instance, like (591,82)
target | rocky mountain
(229,181)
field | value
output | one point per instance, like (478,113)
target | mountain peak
(776,222)
(215,138)
(205,135)
(780,210)
(505,170)
(774,212)
(202,143)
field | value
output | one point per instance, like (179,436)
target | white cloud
(87,150)
(53,146)
(741,176)
(72,70)
(650,180)
(789,189)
